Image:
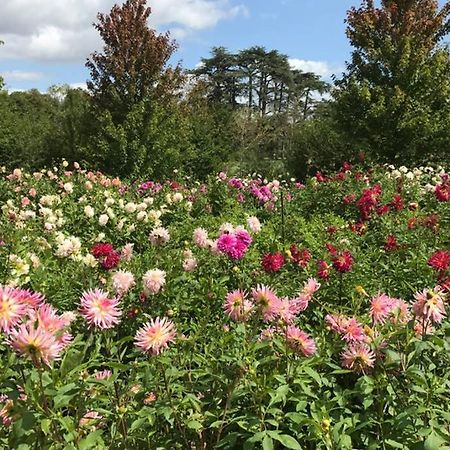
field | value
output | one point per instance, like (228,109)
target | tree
(132,62)
(394,96)
(28,127)
(129,82)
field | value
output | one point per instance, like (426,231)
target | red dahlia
(111,260)
(343,262)
(442,192)
(101,249)
(300,257)
(390,243)
(439,260)
(323,269)
(272,262)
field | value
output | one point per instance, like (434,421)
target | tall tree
(128,78)
(133,59)
(394,96)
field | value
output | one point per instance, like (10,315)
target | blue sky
(47,41)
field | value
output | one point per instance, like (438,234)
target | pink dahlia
(237,306)
(200,237)
(299,341)
(310,287)
(155,335)
(99,310)
(336,323)
(36,342)
(266,301)
(400,313)
(243,236)
(254,224)
(12,309)
(226,242)
(102,375)
(380,308)
(33,299)
(354,331)
(153,281)
(429,304)
(358,357)
(289,309)
(301,302)
(122,282)
(49,320)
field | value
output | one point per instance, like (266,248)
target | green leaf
(45,426)
(267,443)
(194,425)
(288,441)
(91,440)
(433,442)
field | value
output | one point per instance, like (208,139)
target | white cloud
(321,68)
(20,75)
(49,30)
(78,86)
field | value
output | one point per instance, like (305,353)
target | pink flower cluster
(264,302)
(282,312)
(33,328)
(364,343)
(234,244)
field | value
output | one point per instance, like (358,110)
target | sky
(47,41)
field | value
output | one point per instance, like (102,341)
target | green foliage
(393,98)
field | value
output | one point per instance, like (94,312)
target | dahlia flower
(153,281)
(358,357)
(343,262)
(122,282)
(30,298)
(299,341)
(111,260)
(336,323)
(380,308)
(200,237)
(101,249)
(353,331)
(311,286)
(36,342)
(99,310)
(155,335)
(439,260)
(189,264)
(12,308)
(272,262)
(429,305)
(266,301)
(159,236)
(102,375)
(323,269)
(254,224)
(237,306)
